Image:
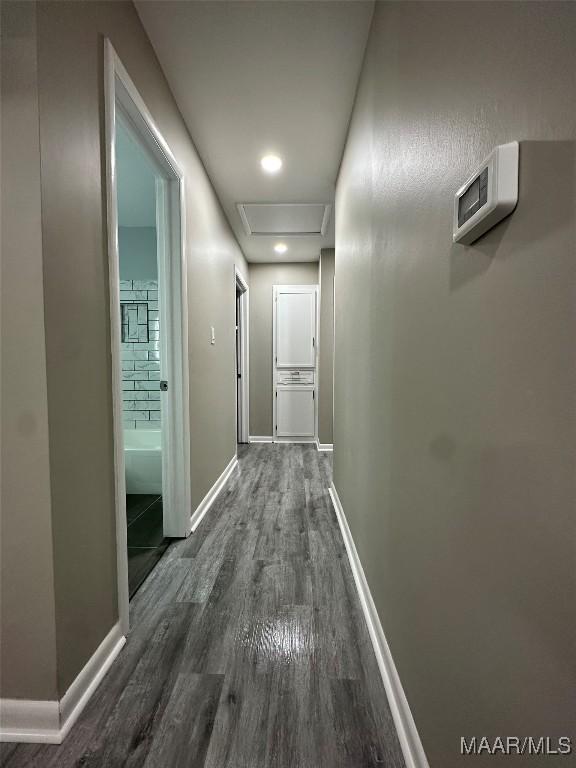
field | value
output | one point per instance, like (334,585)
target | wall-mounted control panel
(488,195)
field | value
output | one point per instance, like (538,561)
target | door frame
(302,288)
(243,407)
(122,96)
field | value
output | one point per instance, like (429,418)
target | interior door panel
(295,329)
(295,411)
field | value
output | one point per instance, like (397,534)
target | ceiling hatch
(287,219)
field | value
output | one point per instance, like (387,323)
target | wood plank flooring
(248,646)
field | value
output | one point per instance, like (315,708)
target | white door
(295,327)
(295,411)
(294,373)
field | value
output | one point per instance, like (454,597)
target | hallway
(248,646)
(288,390)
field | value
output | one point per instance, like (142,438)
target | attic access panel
(285,219)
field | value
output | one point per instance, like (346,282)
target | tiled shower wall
(140,354)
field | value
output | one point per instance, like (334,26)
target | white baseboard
(25,720)
(49,722)
(324,446)
(79,693)
(295,440)
(408,736)
(208,500)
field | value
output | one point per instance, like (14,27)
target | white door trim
(240,282)
(120,90)
(318,353)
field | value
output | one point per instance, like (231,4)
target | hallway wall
(455,399)
(262,278)
(326,358)
(76,313)
(28,647)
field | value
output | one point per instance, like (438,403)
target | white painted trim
(27,721)
(408,736)
(173,306)
(326,219)
(297,440)
(240,279)
(121,94)
(49,722)
(324,446)
(210,497)
(272,439)
(241,283)
(183,403)
(333,342)
(318,353)
(115,331)
(89,678)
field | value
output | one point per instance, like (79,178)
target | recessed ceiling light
(271,163)
(280,247)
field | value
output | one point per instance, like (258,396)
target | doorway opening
(136,183)
(149,342)
(242,362)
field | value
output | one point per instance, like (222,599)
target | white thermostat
(490,194)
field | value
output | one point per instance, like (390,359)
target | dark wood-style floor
(248,646)
(146,542)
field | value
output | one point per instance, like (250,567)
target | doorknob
(164,386)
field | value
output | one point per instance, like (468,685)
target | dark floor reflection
(146,542)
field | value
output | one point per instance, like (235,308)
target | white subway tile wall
(141,359)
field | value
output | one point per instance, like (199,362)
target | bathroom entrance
(148,310)
(140,350)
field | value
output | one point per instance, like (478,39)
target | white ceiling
(253,78)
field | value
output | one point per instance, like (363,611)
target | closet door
(295,412)
(295,326)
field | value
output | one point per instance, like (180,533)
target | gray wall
(77,310)
(455,400)
(27,619)
(262,278)
(137,247)
(326,357)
